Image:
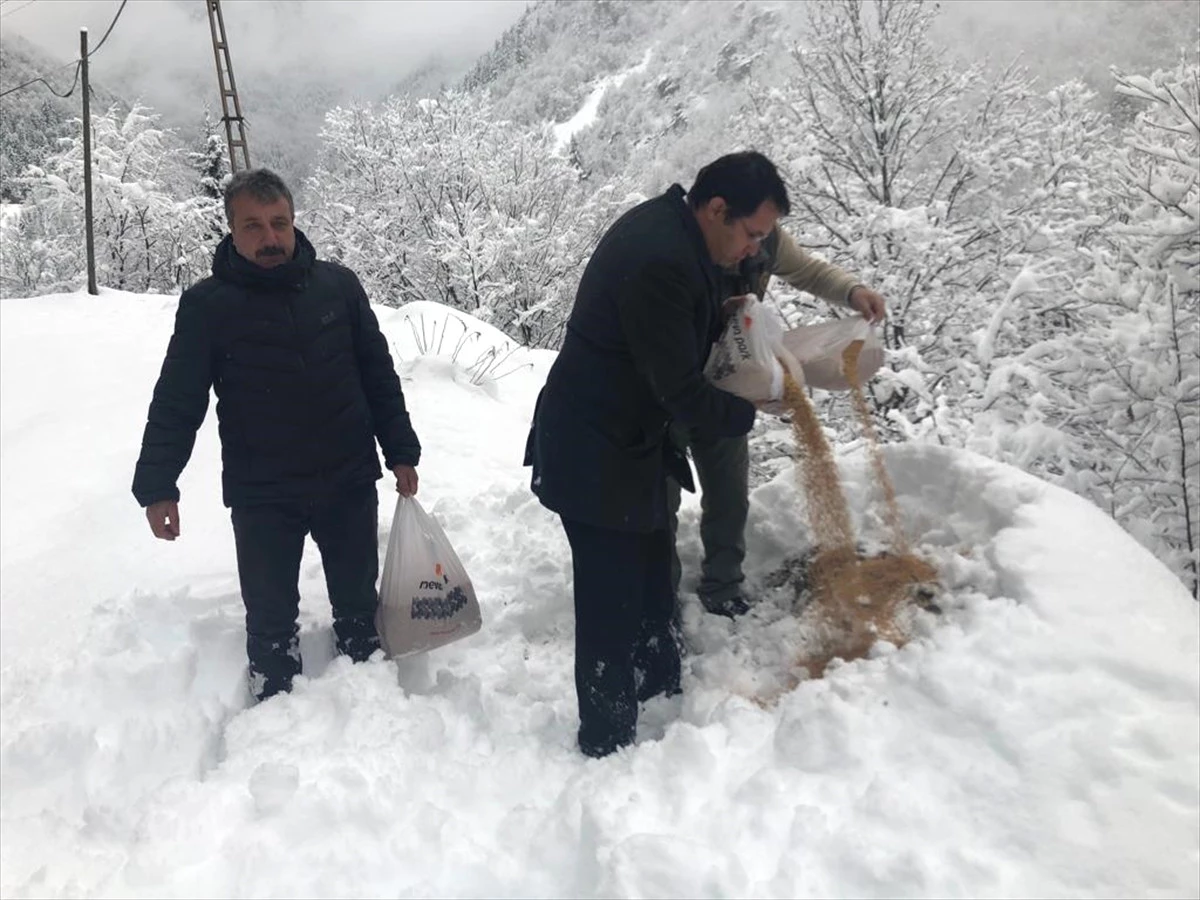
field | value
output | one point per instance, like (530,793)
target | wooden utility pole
(87,163)
(233,120)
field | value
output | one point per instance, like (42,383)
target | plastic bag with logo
(819,349)
(425,596)
(749,358)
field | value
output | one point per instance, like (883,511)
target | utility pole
(233,121)
(87,163)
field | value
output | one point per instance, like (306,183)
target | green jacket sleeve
(806,272)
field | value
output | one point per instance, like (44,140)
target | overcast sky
(369,45)
(293,59)
(379,39)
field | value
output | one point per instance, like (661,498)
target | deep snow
(1040,737)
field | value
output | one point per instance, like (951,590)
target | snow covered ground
(10,214)
(1039,738)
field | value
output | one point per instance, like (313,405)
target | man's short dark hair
(261,184)
(744,181)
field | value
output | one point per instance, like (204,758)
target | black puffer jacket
(303,377)
(646,314)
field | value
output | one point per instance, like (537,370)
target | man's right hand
(163,517)
(868,303)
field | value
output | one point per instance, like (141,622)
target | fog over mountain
(292,59)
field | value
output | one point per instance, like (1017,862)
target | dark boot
(356,638)
(345,527)
(656,666)
(731,607)
(609,723)
(273,664)
(599,750)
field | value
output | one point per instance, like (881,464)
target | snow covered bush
(938,185)
(145,239)
(435,200)
(1140,382)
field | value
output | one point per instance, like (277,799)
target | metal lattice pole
(231,106)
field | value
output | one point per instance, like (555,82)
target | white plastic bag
(749,357)
(819,350)
(425,597)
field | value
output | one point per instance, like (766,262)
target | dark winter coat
(303,377)
(646,314)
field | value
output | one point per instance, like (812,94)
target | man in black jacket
(305,385)
(645,316)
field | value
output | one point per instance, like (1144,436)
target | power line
(47,84)
(76,64)
(17,9)
(120,10)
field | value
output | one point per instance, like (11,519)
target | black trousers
(626,643)
(270,542)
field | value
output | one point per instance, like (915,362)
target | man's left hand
(869,304)
(406,480)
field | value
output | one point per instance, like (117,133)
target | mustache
(268,251)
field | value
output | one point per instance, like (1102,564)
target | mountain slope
(35,117)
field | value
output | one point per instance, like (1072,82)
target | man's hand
(406,480)
(163,517)
(869,304)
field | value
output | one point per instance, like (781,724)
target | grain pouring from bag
(855,601)
(891,510)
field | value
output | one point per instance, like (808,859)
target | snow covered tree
(1141,381)
(36,256)
(145,239)
(209,161)
(136,240)
(435,199)
(935,183)
(1109,407)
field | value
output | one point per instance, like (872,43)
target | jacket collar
(229,265)
(678,198)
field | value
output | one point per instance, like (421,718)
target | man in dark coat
(305,386)
(645,317)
